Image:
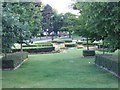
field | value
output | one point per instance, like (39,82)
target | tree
(58,22)
(99,20)
(18,23)
(47,22)
(69,21)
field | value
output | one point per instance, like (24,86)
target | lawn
(61,70)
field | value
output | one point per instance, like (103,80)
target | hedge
(70,45)
(58,41)
(39,45)
(29,45)
(109,62)
(13,60)
(36,49)
(79,42)
(88,53)
(62,41)
(67,41)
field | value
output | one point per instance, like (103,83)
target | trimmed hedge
(67,41)
(79,42)
(88,53)
(62,41)
(58,41)
(70,45)
(36,49)
(29,45)
(13,60)
(39,45)
(109,62)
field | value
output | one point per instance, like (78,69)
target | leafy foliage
(20,21)
(99,20)
(47,21)
(69,23)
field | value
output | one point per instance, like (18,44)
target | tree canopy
(19,23)
(99,21)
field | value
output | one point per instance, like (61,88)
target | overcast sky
(62,6)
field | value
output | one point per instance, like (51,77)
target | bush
(101,46)
(39,45)
(54,41)
(79,42)
(108,61)
(67,41)
(29,45)
(88,53)
(36,49)
(70,45)
(58,41)
(13,60)
(61,41)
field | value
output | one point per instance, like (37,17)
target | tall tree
(58,22)
(69,23)
(18,23)
(47,22)
(100,21)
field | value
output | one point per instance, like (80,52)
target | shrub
(67,41)
(88,53)
(101,46)
(29,45)
(39,45)
(61,41)
(79,42)
(54,41)
(58,41)
(108,61)
(70,45)
(13,60)
(36,49)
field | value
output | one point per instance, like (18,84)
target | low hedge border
(88,53)
(70,45)
(38,45)
(79,43)
(36,49)
(58,41)
(62,41)
(108,62)
(67,41)
(13,60)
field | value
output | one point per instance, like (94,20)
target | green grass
(60,70)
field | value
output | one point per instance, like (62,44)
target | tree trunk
(40,37)
(69,34)
(52,37)
(21,40)
(21,47)
(5,54)
(103,47)
(87,44)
